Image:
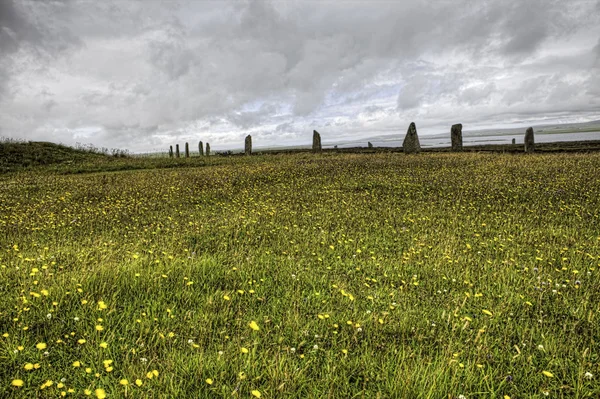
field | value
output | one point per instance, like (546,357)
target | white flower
(588,375)
(315,347)
(46,353)
(190,341)
(143,359)
(292,350)
(541,347)
(220,353)
(359,329)
(462,397)
(63,379)
(49,315)
(76,318)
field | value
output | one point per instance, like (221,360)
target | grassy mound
(16,155)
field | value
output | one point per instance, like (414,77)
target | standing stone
(170,151)
(529,143)
(316,144)
(514,141)
(456,137)
(248,145)
(207,149)
(201,148)
(177,150)
(411,143)
(369,144)
(187,150)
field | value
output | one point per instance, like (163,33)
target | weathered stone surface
(529,142)
(200,148)
(514,141)
(411,144)
(369,144)
(316,144)
(170,151)
(177,150)
(207,149)
(456,137)
(187,150)
(248,145)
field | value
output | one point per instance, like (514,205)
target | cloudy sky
(141,75)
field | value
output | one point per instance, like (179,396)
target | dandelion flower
(77,363)
(487,312)
(138,382)
(547,374)
(100,393)
(99,328)
(81,341)
(256,393)
(17,383)
(244,350)
(253,325)
(102,305)
(124,382)
(41,346)
(103,345)
(28,366)
(209,381)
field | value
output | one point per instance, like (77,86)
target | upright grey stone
(177,150)
(170,151)
(411,144)
(248,145)
(514,141)
(369,144)
(207,149)
(200,149)
(456,137)
(316,144)
(187,150)
(529,143)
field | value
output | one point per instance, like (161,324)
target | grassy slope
(392,258)
(17,155)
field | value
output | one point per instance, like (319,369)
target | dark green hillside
(16,155)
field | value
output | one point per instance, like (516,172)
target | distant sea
(479,138)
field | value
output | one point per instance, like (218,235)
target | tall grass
(431,276)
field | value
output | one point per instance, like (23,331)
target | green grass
(368,275)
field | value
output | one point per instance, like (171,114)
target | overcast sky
(144,75)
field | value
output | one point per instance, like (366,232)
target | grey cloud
(146,71)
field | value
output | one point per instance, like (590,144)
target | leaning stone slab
(411,144)
(529,142)
(316,145)
(456,137)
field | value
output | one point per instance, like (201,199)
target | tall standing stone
(177,150)
(316,144)
(248,145)
(529,143)
(200,148)
(369,144)
(207,149)
(514,141)
(456,137)
(187,150)
(170,151)
(411,144)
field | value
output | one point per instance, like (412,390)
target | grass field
(304,276)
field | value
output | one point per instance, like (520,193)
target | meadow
(303,276)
